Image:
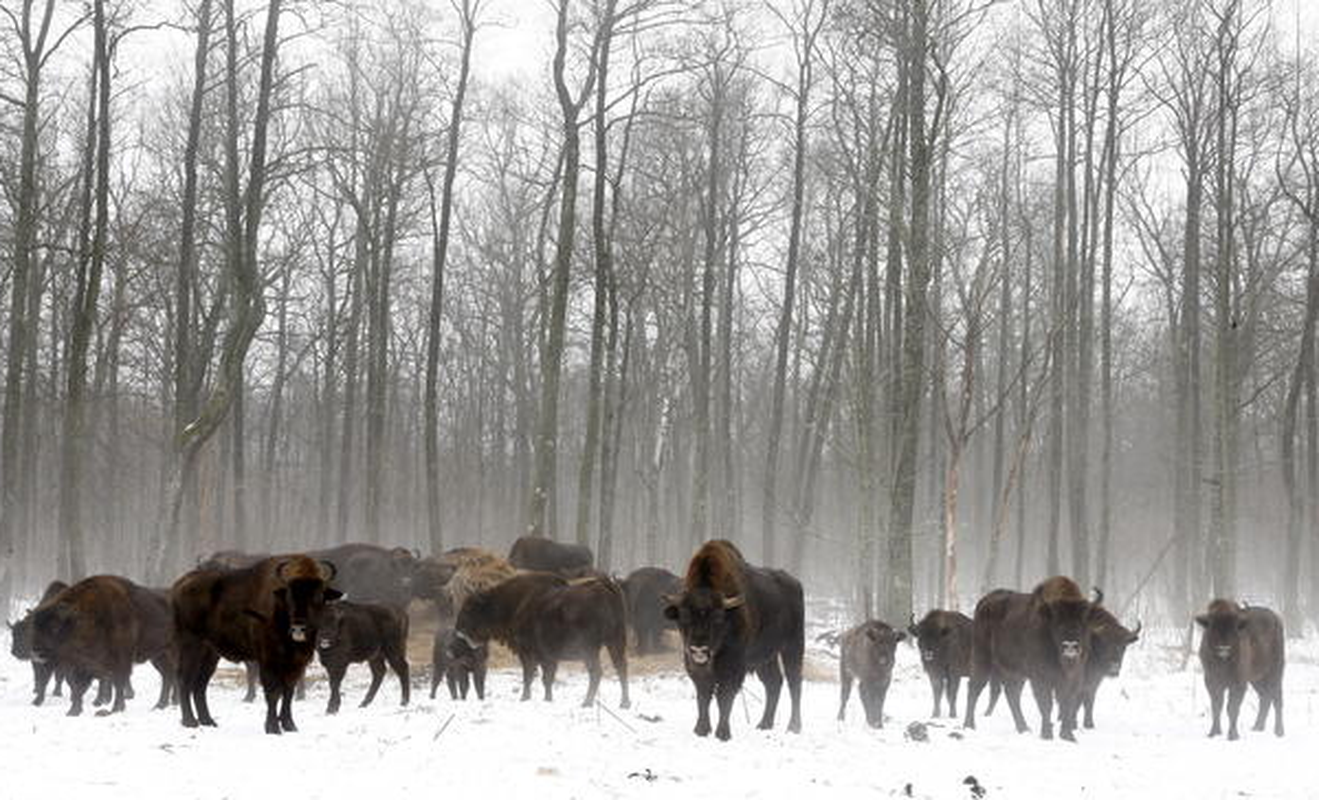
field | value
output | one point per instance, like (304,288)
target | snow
(1150,742)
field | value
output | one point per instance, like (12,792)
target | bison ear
(333,594)
(872,634)
(670,602)
(328,570)
(899,636)
(1202,620)
(1135,632)
(912,630)
(733,601)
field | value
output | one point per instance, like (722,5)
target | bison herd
(547,603)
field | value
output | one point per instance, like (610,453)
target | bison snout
(1224,651)
(1071,649)
(325,644)
(298,633)
(1115,670)
(699,654)
(927,655)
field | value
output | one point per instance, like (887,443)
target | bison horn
(1136,630)
(470,642)
(328,570)
(1099,596)
(733,601)
(279,571)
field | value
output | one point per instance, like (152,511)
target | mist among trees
(914,298)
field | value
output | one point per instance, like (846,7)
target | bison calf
(1109,640)
(1242,645)
(351,633)
(460,662)
(867,656)
(944,641)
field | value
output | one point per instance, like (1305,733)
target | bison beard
(1242,645)
(1043,636)
(268,613)
(735,618)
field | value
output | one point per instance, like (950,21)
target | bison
(351,633)
(20,646)
(98,628)
(460,662)
(867,656)
(735,618)
(472,570)
(368,573)
(545,555)
(645,589)
(1240,645)
(944,641)
(1043,636)
(544,618)
(269,613)
(1109,640)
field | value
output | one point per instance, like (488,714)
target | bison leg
(286,710)
(936,689)
(40,677)
(398,662)
(975,685)
(1044,699)
(1263,714)
(167,673)
(78,683)
(593,672)
(336,673)
(792,660)
(1215,707)
(1235,694)
(478,679)
(252,674)
(528,675)
(104,693)
(952,683)
(1012,689)
(377,666)
(458,683)
(704,693)
(1088,701)
(618,656)
(548,668)
(1276,690)
(772,677)
(436,674)
(724,694)
(845,691)
(60,680)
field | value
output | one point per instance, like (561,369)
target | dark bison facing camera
(1043,637)
(97,629)
(268,613)
(944,641)
(645,589)
(867,654)
(351,633)
(544,555)
(20,646)
(544,619)
(736,618)
(1240,645)
(1109,640)
(459,662)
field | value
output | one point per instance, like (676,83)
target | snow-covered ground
(1150,742)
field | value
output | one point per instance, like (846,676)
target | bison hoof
(702,728)
(840,716)
(723,733)
(1067,736)
(1232,736)
(73,712)
(1046,734)
(273,728)
(794,726)
(288,726)
(628,704)
(765,725)
(36,701)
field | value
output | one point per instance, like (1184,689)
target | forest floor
(1150,741)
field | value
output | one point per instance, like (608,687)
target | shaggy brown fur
(1242,645)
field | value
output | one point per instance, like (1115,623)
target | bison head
(705,617)
(1222,625)
(1109,641)
(934,638)
(468,651)
(1067,623)
(20,644)
(329,632)
(430,576)
(50,624)
(302,590)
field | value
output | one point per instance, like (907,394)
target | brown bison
(1109,640)
(645,590)
(98,628)
(20,646)
(368,573)
(735,618)
(351,633)
(459,662)
(544,618)
(944,641)
(269,613)
(1043,636)
(545,555)
(473,570)
(1240,645)
(867,656)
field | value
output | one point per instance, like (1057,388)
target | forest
(912,298)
